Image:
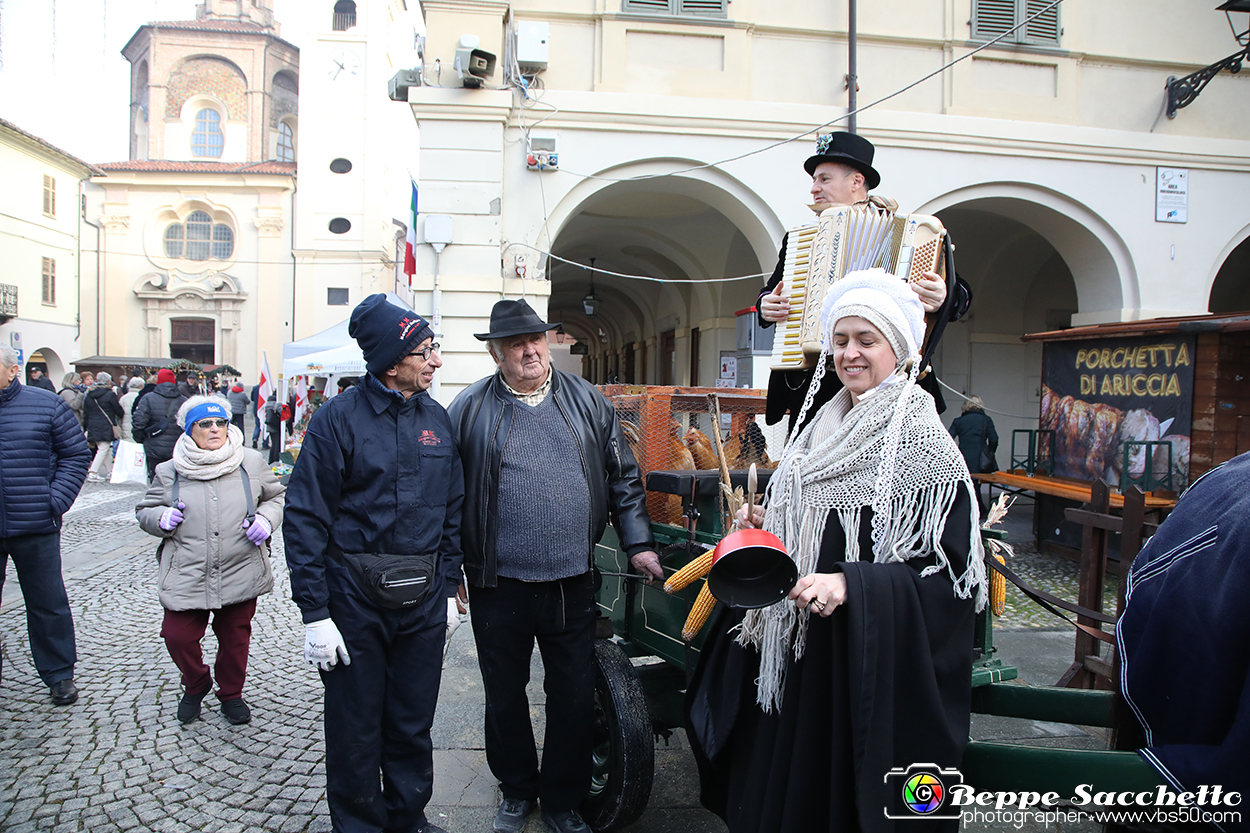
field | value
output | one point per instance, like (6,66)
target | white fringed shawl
(891,452)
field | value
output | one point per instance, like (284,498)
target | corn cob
(698,614)
(695,570)
(998,589)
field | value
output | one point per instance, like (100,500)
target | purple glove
(259,530)
(172,516)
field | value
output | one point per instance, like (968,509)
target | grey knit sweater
(544,502)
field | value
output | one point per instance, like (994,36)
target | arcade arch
(687,231)
(1034,259)
(1230,289)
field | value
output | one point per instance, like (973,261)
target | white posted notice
(1171,195)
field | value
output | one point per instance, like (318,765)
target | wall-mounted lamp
(591,302)
(559,334)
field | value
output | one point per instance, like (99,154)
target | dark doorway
(668,357)
(193,339)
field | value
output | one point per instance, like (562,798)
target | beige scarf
(195,463)
(891,452)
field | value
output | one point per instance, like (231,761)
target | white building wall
(27,236)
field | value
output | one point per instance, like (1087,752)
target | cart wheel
(623,752)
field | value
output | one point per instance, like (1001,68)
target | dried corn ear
(998,589)
(692,572)
(698,614)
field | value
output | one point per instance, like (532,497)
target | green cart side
(641,679)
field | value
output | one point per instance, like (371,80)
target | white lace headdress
(889,452)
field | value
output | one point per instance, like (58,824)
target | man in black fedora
(545,466)
(842,174)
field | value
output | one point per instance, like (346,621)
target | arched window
(286,143)
(199,238)
(344,15)
(207,139)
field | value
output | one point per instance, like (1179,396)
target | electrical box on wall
(531,45)
(543,153)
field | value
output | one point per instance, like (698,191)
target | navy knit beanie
(386,332)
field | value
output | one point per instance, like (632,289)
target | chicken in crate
(694,447)
(713,431)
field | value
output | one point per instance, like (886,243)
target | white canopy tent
(344,360)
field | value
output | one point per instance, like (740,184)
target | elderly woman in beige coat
(214,504)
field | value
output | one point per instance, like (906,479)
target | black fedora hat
(513,318)
(845,149)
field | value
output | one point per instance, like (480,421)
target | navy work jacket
(376,474)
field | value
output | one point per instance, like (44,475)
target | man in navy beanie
(372,533)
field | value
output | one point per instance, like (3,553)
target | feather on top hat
(845,149)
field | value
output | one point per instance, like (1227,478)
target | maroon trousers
(183,630)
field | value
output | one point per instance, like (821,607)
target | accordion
(844,239)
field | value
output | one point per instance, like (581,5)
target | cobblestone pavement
(118,760)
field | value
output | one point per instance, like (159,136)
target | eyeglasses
(212,423)
(425,352)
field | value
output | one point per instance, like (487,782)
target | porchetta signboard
(1099,393)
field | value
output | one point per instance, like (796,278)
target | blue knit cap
(386,332)
(204,410)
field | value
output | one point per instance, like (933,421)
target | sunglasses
(425,352)
(212,423)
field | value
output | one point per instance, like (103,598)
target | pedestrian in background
(214,504)
(127,402)
(104,418)
(72,392)
(43,462)
(378,490)
(546,466)
(38,380)
(239,401)
(978,441)
(156,420)
(190,385)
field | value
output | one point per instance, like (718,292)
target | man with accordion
(842,175)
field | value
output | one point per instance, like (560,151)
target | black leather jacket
(481,418)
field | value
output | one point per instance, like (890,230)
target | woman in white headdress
(801,711)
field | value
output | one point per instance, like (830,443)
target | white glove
(324,645)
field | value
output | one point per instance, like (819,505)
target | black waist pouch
(393,582)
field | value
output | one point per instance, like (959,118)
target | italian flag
(410,242)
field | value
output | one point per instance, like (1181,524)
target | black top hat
(513,318)
(845,149)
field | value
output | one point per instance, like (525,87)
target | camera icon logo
(921,791)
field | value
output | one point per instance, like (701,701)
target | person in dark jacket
(43,462)
(842,174)
(190,386)
(1184,641)
(149,385)
(102,411)
(38,380)
(155,422)
(978,441)
(378,485)
(545,465)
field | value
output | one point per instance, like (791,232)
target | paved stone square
(118,760)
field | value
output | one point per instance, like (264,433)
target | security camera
(473,65)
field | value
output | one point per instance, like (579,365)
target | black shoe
(512,814)
(64,692)
(189,705)
(430,827)
(236,711)
(565,821)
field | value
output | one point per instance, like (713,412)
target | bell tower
(252,11)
